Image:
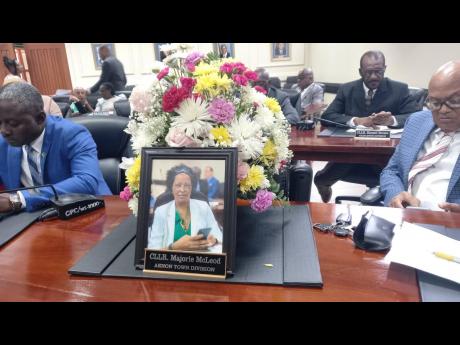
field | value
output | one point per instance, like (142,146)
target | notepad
(414,245)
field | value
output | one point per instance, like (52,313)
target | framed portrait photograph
(281,51)
(187,202)
(95,49)
(225,50)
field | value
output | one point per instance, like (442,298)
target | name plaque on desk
(186,263)
(372,134)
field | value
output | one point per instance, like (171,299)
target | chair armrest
(372,197)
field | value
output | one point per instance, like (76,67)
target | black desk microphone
(66,206)
(334,123)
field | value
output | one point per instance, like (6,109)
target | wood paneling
(8,50)
(48,66)
(33,267)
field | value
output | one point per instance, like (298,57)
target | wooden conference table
(308,146)
(33,266)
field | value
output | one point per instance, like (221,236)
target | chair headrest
(122,108)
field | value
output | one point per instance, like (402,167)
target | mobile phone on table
(205,232)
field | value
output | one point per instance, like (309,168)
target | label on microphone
(372,134)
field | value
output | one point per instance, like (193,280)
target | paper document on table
(415,246)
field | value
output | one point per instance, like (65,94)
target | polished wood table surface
(308,146)
(33,266)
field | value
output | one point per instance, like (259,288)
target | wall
(138,59)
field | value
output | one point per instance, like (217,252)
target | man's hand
(364,121)
(191,243)
(73,98)
(403,200)
(449,207)
(5,204)
(384,118)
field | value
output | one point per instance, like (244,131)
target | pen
(447,257)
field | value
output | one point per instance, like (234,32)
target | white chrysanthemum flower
(251,95)
(157,66)
(265,118)
(166,48)
(133,204)
(126,163)
(178,55)
(193,117)
(247,137)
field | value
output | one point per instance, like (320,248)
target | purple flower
(192,60)
(262,201)
(221,110)
(126,194)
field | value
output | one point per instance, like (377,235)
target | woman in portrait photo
(185,222)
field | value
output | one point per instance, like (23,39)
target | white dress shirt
(430,186)
(366,90)
(26,176)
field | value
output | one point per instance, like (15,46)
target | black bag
(373,234)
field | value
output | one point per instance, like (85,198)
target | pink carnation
(188,83)
(260,89)
(262,201)
(240,80)
(164,72)
(177,138)
(227,68)
(126,194)
(239,67)
(173,98)
(221,110)
(243,169)
(251,75)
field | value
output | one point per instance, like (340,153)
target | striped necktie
(370,95)
(32,159)
(430,158)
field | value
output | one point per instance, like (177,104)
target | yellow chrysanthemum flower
(269,153)
(204,83)
(221,135)
(224,82)
(133,174)
(272,104)
(253,180)
(204,69)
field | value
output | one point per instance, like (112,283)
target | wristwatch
(15,202)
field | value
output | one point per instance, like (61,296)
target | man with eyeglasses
(424,171)
(370,101)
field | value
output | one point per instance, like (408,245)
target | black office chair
(372,197)
(112,142)
(289,82)
(122,108)
(419,96)
(123,92)
(275,82)
(64,108)
(361,174)
(61,99)
(167,196)
(129,87)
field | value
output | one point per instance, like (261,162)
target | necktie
(370,94)
(430,158)
(32,159)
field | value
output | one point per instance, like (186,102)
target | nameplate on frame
(372,134)
(185,263)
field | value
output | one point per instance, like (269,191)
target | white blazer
(161,233)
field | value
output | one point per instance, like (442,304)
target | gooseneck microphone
(334,123)
(66,206)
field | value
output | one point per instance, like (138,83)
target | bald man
(424,171)
(311,94)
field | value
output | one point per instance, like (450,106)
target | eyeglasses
(436,104)
(378,72)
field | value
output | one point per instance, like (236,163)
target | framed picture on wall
(95,49)
(281,51)
(159,55)
(225,50)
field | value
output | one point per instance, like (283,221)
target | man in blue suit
(36,149)
(424,171)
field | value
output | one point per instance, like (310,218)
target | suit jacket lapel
(379,97)
(359,98)
(454,178)
(14,166)
(47,141)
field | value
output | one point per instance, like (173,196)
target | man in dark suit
(112,71)
(370,101)
(224,52)
(289,111)
(37,149)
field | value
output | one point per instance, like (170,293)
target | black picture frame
(148,158)
(95,49)
(159,55)
(280,51)
(230,48)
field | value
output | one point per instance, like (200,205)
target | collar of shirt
(366,90)
(38,143)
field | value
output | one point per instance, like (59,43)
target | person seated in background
(201,185)
(79,104)
(108,98)
(289,111)
(424,171)
(213,183)
(14,68)
(311,94)
(112,71)
(370,101)
(176,224)
(37,149)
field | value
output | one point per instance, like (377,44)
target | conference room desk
(33,266)
(309,146)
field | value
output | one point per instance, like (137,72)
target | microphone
(334,123)
(67,206)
